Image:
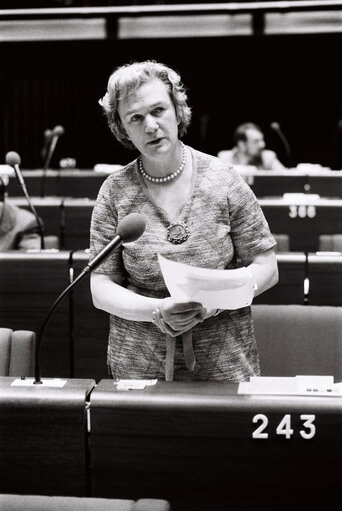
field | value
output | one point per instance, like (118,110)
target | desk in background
(303,220)
(325,279)
(264,183)
(274,183)
(59,183)
(30,284)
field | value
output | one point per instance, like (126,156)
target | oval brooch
(178,232)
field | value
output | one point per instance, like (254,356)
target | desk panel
(59,183)
(193,443)
(325,274)
(266,183)
(30,284)
(43,438)
(303,221)
(77,217)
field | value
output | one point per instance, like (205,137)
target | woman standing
(199,211)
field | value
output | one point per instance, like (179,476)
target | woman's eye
(135,118)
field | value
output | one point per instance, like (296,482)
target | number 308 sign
(284,428)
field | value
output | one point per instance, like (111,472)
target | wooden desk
(30,284)
(193,443)
(266,183)
(303,220)
(76,223)
(59,183)
(43,438)
(325,274)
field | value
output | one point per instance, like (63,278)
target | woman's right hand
(175,318)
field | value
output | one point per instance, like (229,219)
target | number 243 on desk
(284,428)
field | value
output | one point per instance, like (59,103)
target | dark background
(292,79)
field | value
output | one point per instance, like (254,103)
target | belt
(188,352)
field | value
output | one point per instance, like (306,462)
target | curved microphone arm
(38,219)
(37,372)
(57,132)
(276,127)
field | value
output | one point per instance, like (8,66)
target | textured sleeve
(103,228)
(249,229)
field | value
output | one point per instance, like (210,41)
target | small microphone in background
(130,228)
(275,126)
(47,140)
(57,132)
(13,159)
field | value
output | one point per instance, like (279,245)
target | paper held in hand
(221,289)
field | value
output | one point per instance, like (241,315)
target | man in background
(18,227)
(249,150)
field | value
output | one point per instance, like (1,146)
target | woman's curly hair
(127,78)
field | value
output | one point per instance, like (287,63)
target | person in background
(249,149)
(18,227)
(198,211)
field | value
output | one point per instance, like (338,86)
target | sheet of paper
(221,289)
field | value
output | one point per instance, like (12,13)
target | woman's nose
(150,124)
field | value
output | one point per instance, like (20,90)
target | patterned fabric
(225,222)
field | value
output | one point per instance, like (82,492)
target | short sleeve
(103,228)
(250,231)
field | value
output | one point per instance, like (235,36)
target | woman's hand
(175,318)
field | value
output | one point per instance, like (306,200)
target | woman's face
(149,118)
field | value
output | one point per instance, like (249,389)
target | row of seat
(75,339)
(292,340)
(69,219)
(86,183)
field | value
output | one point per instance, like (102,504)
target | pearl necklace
(166,178)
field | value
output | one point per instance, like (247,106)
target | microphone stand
(33,209)
(275,126)
(56,133)
(81,276)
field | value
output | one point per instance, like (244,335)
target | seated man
(250,150)
(18,227)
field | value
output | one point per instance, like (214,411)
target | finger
(183,307)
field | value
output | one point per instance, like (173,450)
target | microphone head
(131,227)
(275,126)
(48,135)
(58,131)
(13,158)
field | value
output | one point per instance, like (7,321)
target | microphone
(130,228)
(57,132)
(13,159)
(275,126)
(47,140)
